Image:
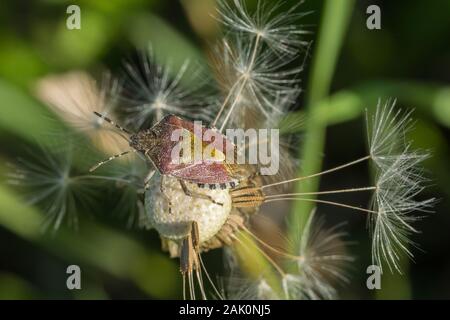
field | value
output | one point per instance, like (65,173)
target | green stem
(335,18)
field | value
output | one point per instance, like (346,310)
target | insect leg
(195,194)
(147,179)
(163,192)
(253,176)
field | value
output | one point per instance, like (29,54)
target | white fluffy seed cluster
(209,216)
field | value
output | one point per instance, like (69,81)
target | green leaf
(168,45)
(22,115)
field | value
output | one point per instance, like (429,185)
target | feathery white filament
(278,30)
(254,62)
(399,181)
(47,181)
(150,92)
(323,261)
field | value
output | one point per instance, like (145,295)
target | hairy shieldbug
(157,145)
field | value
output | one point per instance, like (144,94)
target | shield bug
(212,173)
(216,171)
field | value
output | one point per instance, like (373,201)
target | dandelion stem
(200,283)
(222,107)
(184,287)
(236,100)
(191,285)
(202,265)
(338,204)
(322,192)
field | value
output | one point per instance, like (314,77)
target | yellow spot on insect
(194,142)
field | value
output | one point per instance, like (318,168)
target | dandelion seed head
(128,179)
(322,262)
(265,292)
(243,288)
(254,63)
(236,286)
(278,30)
(152,91)
(209,216)
(261,85)
(47,180)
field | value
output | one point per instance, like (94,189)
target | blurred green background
(349,68)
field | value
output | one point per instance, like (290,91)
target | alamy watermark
(254,146)
(74,279)
(73,21)
(373,21)
(374,280)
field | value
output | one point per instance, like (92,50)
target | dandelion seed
(323,261)
(253,63)
(399,181)
(279,31)
(236,286)
(150,92)
(48,180)
(130,179)
(245,289)
(258,83)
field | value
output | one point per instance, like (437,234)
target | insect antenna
(112,123)
(110,159)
